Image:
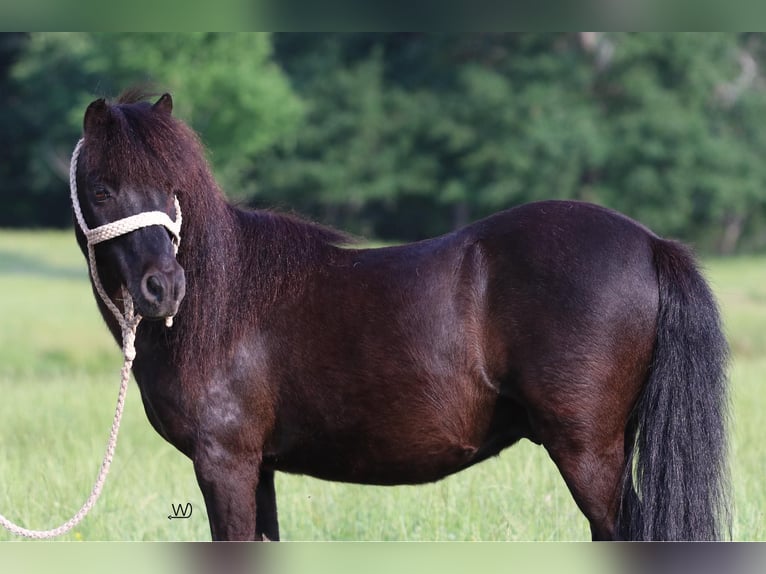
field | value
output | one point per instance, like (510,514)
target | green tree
(457,125)
(409,135)
(660,126)
(226,86)
(679,161)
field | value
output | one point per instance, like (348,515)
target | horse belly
(389,448)
(378,463)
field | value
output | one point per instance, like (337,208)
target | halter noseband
(126,319)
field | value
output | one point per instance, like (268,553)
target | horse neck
(282,255)
(239,264)
(209,254)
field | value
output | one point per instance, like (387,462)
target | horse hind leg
(585,436)
(592,468)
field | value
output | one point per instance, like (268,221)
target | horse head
(127,202)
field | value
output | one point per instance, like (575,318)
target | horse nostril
(153,288)
(161,289)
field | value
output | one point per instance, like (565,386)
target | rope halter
(127,320)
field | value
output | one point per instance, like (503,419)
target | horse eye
(101,193)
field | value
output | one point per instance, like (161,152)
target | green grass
(50,324)
(59,374)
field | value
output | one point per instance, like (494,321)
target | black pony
(560,322)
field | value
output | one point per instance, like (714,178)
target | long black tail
(676,482)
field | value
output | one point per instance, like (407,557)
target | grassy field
(59,373)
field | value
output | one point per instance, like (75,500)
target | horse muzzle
(160,291)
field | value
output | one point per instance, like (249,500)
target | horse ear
(95,115)
(164,104)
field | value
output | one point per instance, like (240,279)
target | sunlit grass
(50,324)
(59,373)
(53,432)
(740,284)
(517,496)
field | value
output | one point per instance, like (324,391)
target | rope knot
(129,344)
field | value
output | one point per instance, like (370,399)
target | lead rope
(128,321)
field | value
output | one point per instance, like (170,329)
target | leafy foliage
(402,136)
(226,86)
(659,126)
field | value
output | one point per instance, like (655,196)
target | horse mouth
(151,314)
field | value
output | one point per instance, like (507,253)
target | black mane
(271,249)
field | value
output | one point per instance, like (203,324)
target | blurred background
(403,136)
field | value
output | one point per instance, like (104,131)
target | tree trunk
(732,231)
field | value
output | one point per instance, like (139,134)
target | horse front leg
(228,483)
(266,521)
